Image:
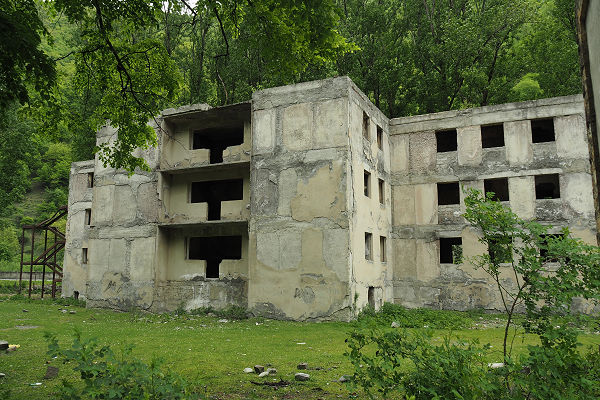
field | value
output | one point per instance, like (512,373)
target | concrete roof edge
(551,101)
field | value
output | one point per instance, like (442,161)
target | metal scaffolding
(48,257)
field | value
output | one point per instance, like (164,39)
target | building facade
(308,203)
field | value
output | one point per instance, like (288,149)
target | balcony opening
(492,136)
(88,216)
(379,137)
(368,246)
(382,249)
(499,188)
(446,140)
(542,130)
(547,187)
(214,192)
(90,180)
(381,191)
(451,250)
(367,183)
(216,140)
(365,127)
(448,193)
(214,249)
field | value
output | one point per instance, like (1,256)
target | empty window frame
(217,139)
(544,246)
(88,216)
(547,187)
(542,130)
(368,246)
(90,179)
(451,250)
(382,249)
(379,137)
(381,191)
(492,136)
(367,183)
(214,192)
(214,249)
(500,249)
(448,193)
(446,140)
(84,255)
(365,126)
(498,186)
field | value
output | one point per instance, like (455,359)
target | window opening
(214,192)
(382,248)
(88,216)
(367,183)
(379,137)
(492,136)
(451,250)
(84,255)
(498,186)
(214,249)
(381,192)
(90,179)
(448,193)
(216,140)
(446,140)
(368,246)
(500,249)
(547,187)
(544,245)
(365,128)
(542,130)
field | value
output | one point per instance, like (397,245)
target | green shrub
(106,375)
(232,312)
(416,318)
(394,360)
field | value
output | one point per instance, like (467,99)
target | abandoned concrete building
(308,203)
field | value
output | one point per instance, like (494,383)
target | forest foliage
(68,66)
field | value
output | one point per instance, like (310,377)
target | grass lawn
(209,353)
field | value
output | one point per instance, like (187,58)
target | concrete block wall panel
(299,244)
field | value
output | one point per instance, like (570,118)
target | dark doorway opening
(215,249)
(371,297)
(214,192)
(216,140)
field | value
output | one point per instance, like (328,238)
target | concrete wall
(80,199)
(367,213)
(121,240)
(299,241)
(419,222)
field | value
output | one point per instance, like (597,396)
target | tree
(22,61)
